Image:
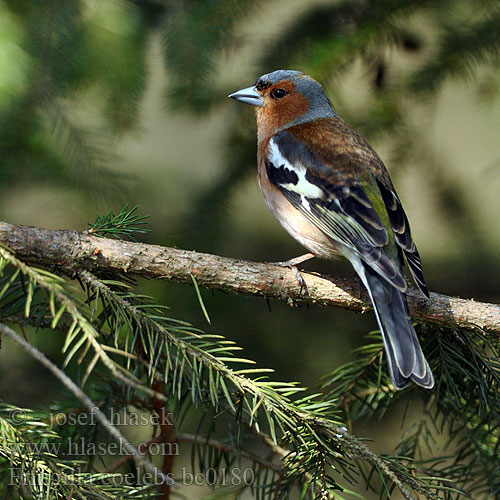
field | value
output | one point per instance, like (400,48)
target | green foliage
(462,49)
(70,47)
(28,457)
(125,224)
(194,35)
(464,406)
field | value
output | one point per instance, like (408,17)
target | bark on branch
(72,251)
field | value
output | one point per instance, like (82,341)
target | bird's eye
(278,93)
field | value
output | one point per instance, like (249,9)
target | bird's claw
(303,287)
(290,264)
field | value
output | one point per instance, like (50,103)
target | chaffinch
(331,191)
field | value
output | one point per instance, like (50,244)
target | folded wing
(342,210)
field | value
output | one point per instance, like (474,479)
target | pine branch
(202,370)
(273,400)
(184,437)
(80,324)
(72,252)
(28,449)
(139,458)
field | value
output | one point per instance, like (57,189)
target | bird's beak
(248,96)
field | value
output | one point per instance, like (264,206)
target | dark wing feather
(401,227)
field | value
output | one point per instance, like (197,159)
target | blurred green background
(107,102)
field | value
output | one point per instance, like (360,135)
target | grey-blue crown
(319,104)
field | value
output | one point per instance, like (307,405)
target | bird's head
(285,98)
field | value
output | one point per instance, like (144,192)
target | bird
(331,191)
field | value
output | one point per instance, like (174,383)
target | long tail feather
(405,357)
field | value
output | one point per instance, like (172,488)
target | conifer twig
(184,437)
(140,459)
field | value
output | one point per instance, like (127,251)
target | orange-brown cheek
(278,113)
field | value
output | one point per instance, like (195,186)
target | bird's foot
(292,264)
